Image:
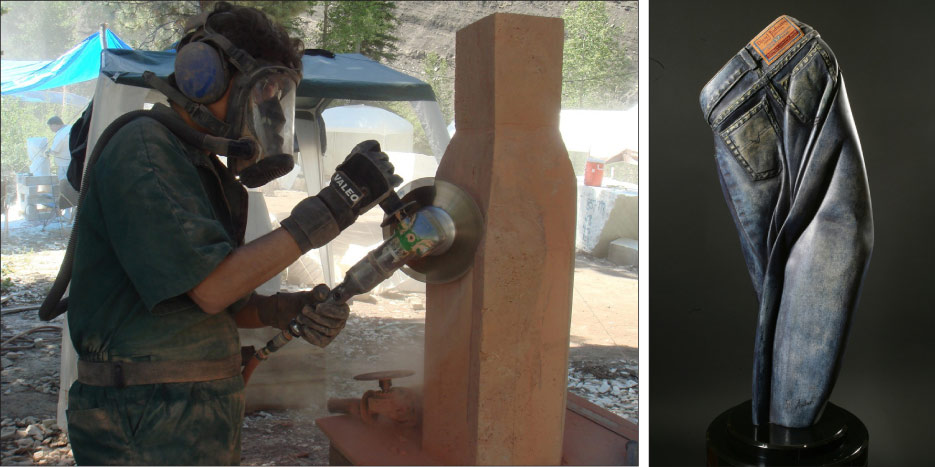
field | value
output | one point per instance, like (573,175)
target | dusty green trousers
(157,424)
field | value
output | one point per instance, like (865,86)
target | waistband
(121,374)
(768,53)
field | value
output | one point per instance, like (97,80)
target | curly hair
(251,30)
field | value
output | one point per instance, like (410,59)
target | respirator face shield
(265,110)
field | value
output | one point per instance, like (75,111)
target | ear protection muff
(202,68)
(201,73)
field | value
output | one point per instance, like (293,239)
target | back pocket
(808,80)
(754,141)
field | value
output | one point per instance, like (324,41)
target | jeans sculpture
(793,176)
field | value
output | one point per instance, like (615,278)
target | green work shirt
(158,217)
(154,223)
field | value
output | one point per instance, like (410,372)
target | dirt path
(385,331)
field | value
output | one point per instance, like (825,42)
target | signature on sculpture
(790,163)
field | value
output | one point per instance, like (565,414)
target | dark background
(702,307)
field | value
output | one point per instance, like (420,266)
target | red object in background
(593,173)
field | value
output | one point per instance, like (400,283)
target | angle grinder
(431,231)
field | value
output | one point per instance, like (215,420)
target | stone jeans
(792,173)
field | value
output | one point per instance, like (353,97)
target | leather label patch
(777,38)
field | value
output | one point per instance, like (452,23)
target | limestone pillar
(496,343)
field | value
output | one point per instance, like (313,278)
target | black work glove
(364,179)
(321,322)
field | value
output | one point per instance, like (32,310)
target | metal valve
(384,378)
(398,404)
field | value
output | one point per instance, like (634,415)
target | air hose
(54,305)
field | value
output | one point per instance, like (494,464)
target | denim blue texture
(792,173)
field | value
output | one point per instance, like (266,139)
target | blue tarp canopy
(346,76)
(81,63)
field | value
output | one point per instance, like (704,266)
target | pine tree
(164,22)
(595,69)
(361,27)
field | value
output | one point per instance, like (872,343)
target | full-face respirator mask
(259,124)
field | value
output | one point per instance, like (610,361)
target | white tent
(602,134)
(347,126)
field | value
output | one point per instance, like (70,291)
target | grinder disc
(468,220)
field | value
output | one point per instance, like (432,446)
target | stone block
(604,215)
(496,343)
(624,252)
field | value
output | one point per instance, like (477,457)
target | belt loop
(119,380)
(748,58)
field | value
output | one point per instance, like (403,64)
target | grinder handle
(391,203)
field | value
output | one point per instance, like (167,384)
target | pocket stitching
(805,61)
(800,67)
(829,64)
(775,93)
(725,135)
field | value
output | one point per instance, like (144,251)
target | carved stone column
(496,344)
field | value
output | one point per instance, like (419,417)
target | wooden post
(496,343)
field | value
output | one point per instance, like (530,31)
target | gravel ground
(612,385)
(384,332)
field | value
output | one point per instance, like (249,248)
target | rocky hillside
(431,26)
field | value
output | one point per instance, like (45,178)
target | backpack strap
(78,146)
(54,305)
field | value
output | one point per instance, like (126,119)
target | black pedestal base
(839,438)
